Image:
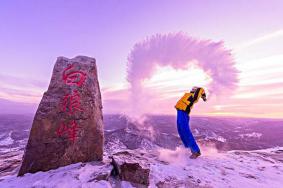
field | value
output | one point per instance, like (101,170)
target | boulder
(67,127)
(132,167)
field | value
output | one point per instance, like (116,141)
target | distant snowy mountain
(235,153)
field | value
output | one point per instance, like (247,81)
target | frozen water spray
(179,51)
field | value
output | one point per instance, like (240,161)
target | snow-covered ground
(168,168)
(75,175)
(260,168)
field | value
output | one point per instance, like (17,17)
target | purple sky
(34,33)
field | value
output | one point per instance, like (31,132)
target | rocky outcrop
(67,127)
(131,167)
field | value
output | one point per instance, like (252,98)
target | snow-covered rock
(131,166)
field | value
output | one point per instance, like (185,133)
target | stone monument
(68,126)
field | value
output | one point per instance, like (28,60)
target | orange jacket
(189,99)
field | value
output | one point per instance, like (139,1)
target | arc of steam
(178,51)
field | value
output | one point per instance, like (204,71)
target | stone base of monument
(68,126)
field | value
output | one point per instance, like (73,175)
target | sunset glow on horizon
(33,34)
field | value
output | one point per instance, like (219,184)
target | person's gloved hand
(203,96)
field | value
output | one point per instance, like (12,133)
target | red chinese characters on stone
(73,77)
(71,103)
(70,130)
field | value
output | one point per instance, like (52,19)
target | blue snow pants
(184,131)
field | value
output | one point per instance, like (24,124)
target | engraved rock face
(67,127)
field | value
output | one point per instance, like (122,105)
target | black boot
(195,155)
